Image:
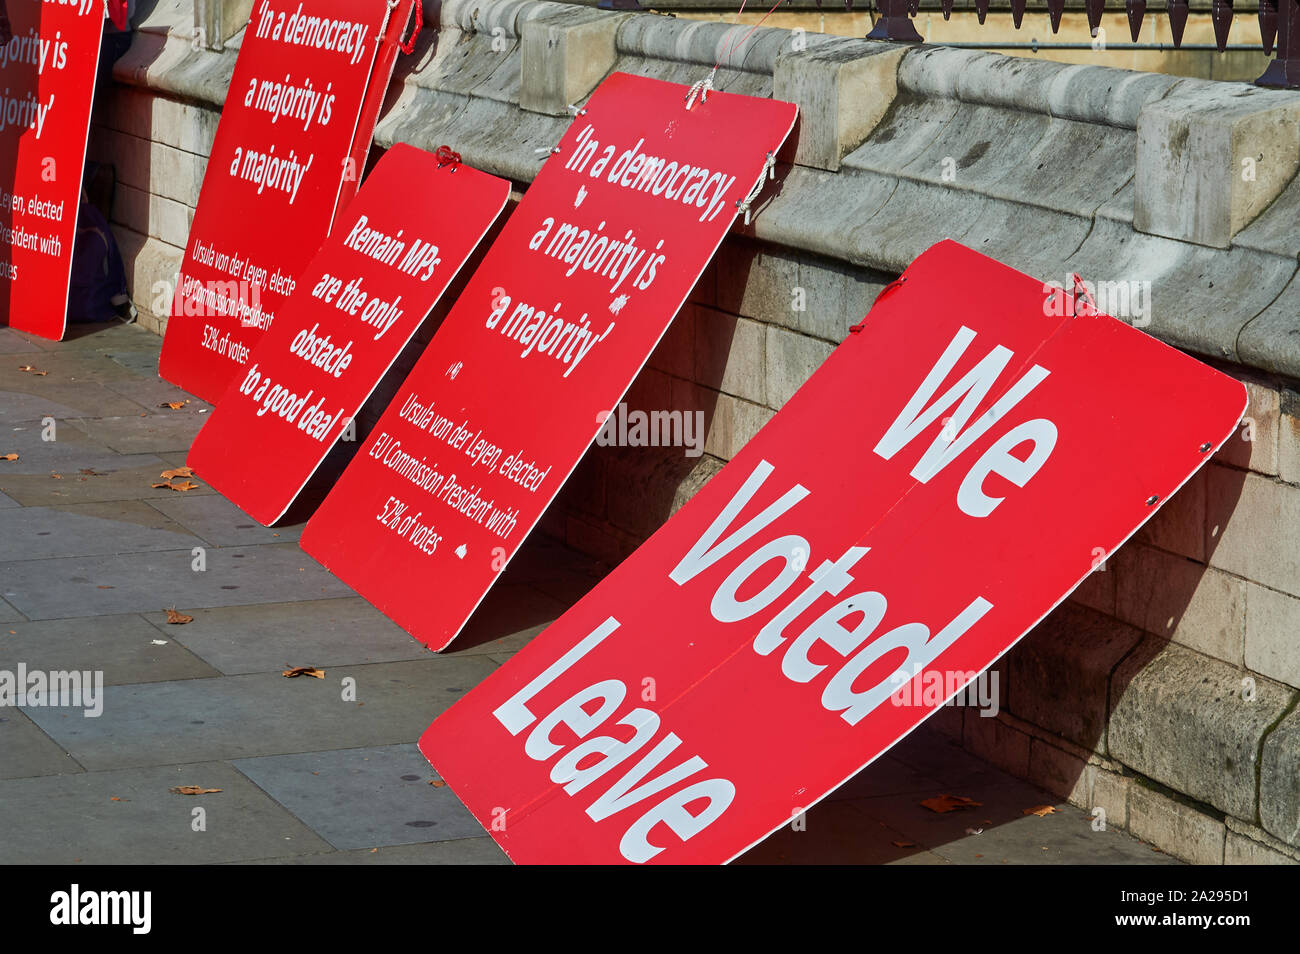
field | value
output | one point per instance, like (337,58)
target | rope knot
(409,45)
(701,88)
(769,172)
(446,157)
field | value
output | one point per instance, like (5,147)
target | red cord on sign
(857,329)
(446,157)
(409,45)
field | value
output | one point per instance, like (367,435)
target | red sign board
(397,248)
(47,74)
(287,157)
(946,478)
(549,332)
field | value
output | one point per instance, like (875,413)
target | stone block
(1211,157)
(1176,598)
(1175,828)
(565,54)
(1193,724)
(1060,673)
(1279,781)
(1254,445)
(1273,634)
(791,360)
(843,88)
(1245,525)
(730,354)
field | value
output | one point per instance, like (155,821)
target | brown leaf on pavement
(182,487)
(1040,811)
(177,618)
(174,405)
(8,456)
(192,790)
(178,472)
(297,671)
(949,803)
(904,844)
(437,782)
(30,370)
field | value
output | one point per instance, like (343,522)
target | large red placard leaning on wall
(288,154)
(948,476)
(47,74)
(397,248)
(549,332)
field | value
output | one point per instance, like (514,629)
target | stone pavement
(92,555)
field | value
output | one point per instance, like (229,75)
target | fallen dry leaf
(949,803)
(177,618)
(30,370)
(8,456)
(180,488)
(437,782)
(1040,811)
(297,671)
(91,472)
(174,405)
(56,476)
(178,472)
(116,799)
(103,587)
(904,844)
(192,790)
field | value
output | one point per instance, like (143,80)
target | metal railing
(1279,23)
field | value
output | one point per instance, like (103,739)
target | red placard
(551,329)
(285,159)
(397,248)
(948,475)
(47,74)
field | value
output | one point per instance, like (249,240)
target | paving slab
(835,833)
(59,389)
(93,336)
(69,819)
(68,453)
(464,851)
(169,431)
(148,582)
(119,478)
(364,798)
(220,522)
(126,649)
(887,776)
(510,615)
(137,512)
(11,342)
(262,714)
(270,636)
(40,533)
(18,407)
(8,614)
(26,751)
(142,359)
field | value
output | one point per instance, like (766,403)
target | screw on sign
(857,546)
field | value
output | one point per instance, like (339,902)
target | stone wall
(1163,692)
